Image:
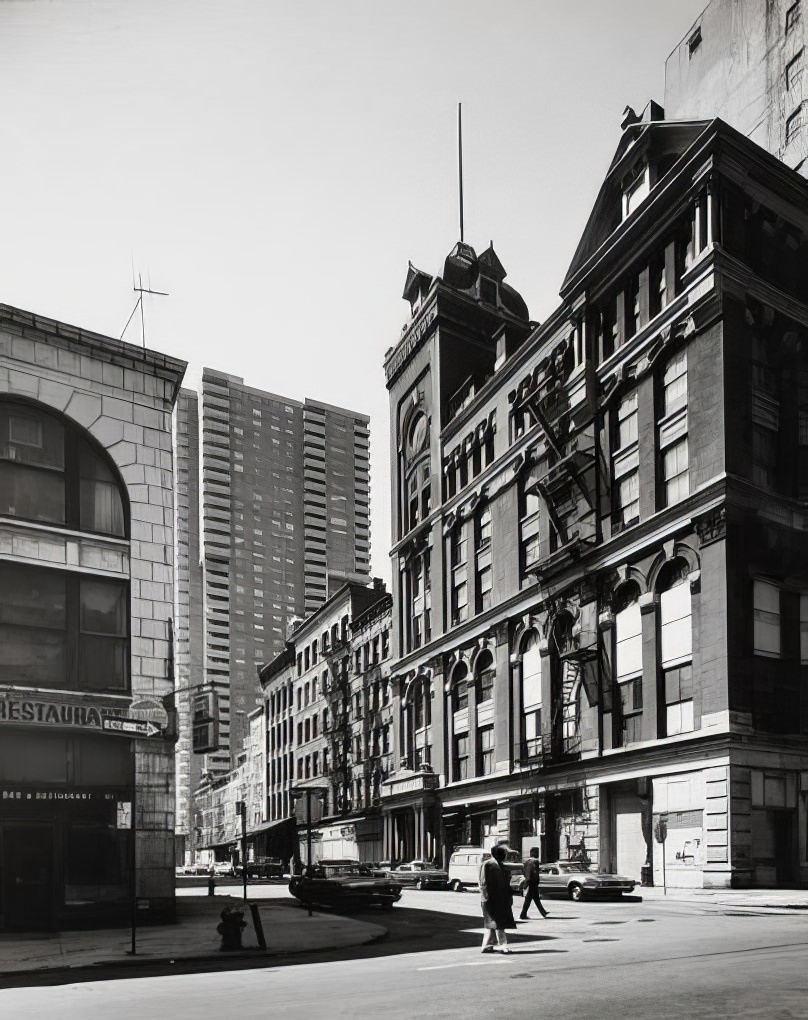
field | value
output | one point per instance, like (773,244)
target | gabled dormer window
(636,188)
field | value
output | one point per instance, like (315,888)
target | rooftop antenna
(140,290)
(460,162)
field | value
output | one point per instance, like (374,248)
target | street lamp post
(308,809)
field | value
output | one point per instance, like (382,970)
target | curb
(144,960)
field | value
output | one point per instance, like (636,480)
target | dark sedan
(421,875)
(578,881)
(344,887)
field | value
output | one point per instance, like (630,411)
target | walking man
(531,873)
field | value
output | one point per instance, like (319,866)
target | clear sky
(273,166)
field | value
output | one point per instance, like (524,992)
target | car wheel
(456,886)
(420,884)
(575,892)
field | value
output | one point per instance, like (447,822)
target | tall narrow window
(531,697)
(485,751)
(459,724)
(485,672)
(766,619)
(672,432)
(676,644)
(529,525)
(625,463)
(484,567)
(628,661)
(459,568)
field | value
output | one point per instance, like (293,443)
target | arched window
(531,696)
(52,472)
(460,687)
(418,723)
(676,646)
(484,676)
(565,685)
(460,722)
(628,661)
(416,472)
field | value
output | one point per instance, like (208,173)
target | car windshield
(568,868)
(340,870)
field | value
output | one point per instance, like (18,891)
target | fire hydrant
(230,928)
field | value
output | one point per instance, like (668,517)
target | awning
(266,826)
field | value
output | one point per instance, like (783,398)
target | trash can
(646,875)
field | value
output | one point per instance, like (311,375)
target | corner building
(600,565)
(86,595)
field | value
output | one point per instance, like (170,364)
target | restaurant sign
(37,711)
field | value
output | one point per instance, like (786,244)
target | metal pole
(664,877)
(133,861)
(244,847)
(460,162)
(308,835)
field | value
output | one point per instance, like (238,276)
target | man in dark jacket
(531,873)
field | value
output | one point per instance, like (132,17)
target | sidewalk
(287,929)
(760,899)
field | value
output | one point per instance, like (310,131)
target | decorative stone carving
(712,527)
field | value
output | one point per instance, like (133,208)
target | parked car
(223,868)
(421,875)
(577,881)
(262,867)
(464,866)
(344,886)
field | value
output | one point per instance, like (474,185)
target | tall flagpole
(460,161)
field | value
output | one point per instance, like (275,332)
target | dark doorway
(784,846)
(27,876)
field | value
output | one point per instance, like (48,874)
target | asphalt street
(588,960)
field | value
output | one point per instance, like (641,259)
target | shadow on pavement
(408,931)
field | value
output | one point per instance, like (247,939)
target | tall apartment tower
(743,61)
(274,507)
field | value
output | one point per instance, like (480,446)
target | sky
(274,166)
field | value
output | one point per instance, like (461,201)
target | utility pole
(241,809)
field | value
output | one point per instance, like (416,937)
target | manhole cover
(522,975)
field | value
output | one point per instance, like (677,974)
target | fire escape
(338,731)
(566,473)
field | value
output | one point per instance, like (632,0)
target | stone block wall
(122,396)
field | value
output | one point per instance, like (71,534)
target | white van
(464,866)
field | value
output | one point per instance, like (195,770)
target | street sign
(130,727)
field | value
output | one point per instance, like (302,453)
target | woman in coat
(497,900)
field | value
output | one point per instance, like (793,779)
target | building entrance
(26,877)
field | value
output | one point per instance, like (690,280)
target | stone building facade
(86,603)
(600,582)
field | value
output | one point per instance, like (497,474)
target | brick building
(600,575)
(329,722)
(86,596)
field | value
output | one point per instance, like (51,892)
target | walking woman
(497,901)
